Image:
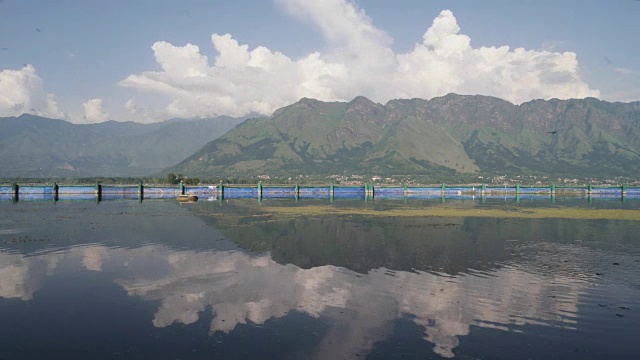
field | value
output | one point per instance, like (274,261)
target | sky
(151,60)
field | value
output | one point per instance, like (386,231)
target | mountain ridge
(452,134)
(443,136)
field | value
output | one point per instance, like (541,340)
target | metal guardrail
(367,191)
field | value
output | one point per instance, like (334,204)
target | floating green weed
(448,211)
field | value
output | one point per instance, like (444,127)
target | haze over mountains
(32,146)
(447,135)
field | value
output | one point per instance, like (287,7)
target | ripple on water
(10,231)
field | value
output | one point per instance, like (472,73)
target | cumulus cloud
(93,112)
(358,60)
(142,113)
(22,91)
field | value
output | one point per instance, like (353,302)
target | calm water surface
(236,280)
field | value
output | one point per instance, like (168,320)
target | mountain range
(32,146)
(449,135)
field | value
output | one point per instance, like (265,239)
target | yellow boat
(187,198)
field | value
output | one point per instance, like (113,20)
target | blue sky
(89,61)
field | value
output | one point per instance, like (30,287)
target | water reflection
(451,245)
(252,289)
(508,284)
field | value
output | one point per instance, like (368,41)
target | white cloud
(554,45)
(358,60)
(93,112)
(21,91)
(143,113)
(340,21)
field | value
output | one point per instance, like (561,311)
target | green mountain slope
(32,146)
(452,134)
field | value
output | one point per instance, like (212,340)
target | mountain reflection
(240,288)
(450,245)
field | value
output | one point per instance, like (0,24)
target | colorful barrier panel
(368,191)
(199,190)
(278,192)
(240,193)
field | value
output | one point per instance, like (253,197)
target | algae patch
(448,211)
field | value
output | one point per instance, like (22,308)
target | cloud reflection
(361,309)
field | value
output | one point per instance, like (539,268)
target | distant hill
(447,135)
(32,146)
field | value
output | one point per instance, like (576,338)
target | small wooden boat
(187,198)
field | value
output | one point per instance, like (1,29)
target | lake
(310,279)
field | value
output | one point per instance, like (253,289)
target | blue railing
(368,191)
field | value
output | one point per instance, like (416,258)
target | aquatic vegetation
(453,211)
